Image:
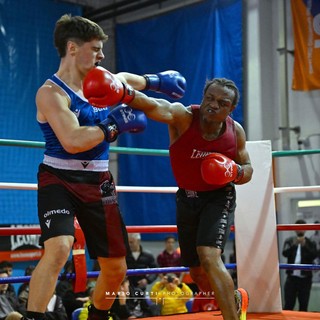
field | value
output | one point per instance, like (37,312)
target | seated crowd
(139,296)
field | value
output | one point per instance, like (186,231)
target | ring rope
(33,186)
(7,231)
(133,272)
(142,151)
(124,150)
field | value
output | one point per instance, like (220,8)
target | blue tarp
(27,59)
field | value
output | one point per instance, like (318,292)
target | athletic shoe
(94,314)
(242,302)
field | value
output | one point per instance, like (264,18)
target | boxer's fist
(170,82)
(102,89)
(218,169)
(122,119)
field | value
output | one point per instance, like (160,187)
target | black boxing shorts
(204,219)
(91,197)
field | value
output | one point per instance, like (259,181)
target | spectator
(171,294)
(74,300)
(13,316)
(84,312)
(23,291)
(64,289)
(316,238)
(170,256)
(65,284)
(9,305)
(137,258)
(298,250)
(55,309)
(130,303)
(8,266)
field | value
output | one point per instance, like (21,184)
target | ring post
(256,233)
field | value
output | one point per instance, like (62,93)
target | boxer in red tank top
(208,156)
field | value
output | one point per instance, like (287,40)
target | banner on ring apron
(306,28)
(16,248)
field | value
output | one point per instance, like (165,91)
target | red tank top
(188,151)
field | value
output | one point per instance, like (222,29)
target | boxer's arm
(175,115)
(137,82)
(242,157)
(170,82)
(159,109)
(53,107)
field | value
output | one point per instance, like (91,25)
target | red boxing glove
(218,169)
(102,89)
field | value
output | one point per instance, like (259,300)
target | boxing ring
(256,276)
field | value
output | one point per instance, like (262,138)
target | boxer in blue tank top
(74,178)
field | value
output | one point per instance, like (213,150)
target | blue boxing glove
(170,82)
(122,119)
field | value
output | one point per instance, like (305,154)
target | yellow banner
(306,28)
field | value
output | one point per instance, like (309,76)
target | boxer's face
(217,102)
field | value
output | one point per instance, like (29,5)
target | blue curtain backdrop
(201,41)
(27,59)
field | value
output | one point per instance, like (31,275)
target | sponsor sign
(20,247)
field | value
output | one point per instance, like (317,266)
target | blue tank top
(87,116)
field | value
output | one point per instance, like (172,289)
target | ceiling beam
(119,8)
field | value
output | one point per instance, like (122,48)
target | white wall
(272,103)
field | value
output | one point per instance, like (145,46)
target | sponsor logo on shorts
(56,211)
(85,163)
(48,223)
(108,192)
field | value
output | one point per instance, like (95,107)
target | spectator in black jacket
(23,291)
(131,303)
(8,267)
(140,259)
(55,309)
(9,304)
(298,250)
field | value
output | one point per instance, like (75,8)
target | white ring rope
(33,186)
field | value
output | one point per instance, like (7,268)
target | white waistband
(73,164)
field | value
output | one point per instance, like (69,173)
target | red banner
(21,255)
(16,248)
(306,28)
